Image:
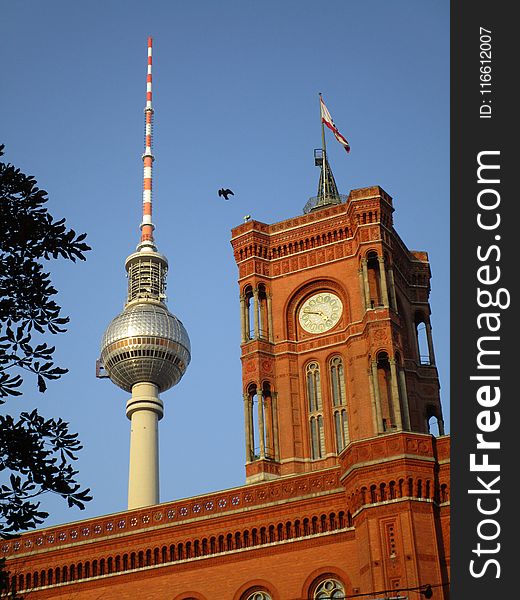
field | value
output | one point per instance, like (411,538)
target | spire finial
(147,226)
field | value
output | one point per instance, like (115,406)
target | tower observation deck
(145,349)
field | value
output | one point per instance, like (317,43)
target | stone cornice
(189,510)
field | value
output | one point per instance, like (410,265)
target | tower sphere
(145,343)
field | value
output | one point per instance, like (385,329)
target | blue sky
(236,105)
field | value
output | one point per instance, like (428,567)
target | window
(422,343)
(256,314)
(258,596)
(260,414)
(313,387)
(316,436)
(337,378)
(374,280)
(339,400)
(249,313)
(269,422)
(254,432)
(330,588)
(263,322)
(384,384)
(315,407)
(423,337)
(340,429)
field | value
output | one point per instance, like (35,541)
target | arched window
(315,407)
(313,387)
(432,424)
(374,281)
(249,313)
(270,534)
(258,595)
(391,490)
(269,422)
(261,439)
(254,440)
(444,492)
(337,379)
(256,319)
(422,342)
(330,588)
(263,321)
(339,401)
(384,383)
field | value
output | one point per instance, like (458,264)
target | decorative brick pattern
(219,503)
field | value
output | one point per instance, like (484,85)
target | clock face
(320,312)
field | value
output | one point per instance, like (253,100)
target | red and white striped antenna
(147,226)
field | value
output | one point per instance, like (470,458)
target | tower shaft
(144,409)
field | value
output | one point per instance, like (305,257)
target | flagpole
(324,153)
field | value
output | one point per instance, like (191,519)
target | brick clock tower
(338,370)
(334,309)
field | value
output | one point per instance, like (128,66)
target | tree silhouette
(36,453)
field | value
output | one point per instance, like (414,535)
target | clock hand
(314,312)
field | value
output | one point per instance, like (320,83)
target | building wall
(283,535)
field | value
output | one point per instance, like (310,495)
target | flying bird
(225,193)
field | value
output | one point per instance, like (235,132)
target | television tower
(145,350)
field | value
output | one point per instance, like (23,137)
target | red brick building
(347,490)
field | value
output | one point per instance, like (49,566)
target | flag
(327,119)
